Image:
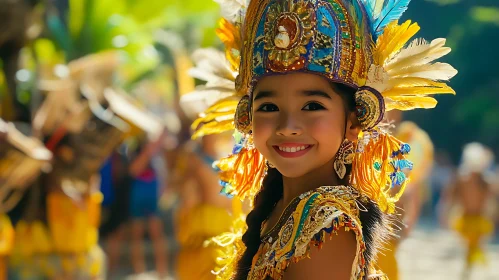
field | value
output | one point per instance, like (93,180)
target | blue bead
(405,164)
(395,154)
(237,148)
(400,178)
(405,148)
(402,164)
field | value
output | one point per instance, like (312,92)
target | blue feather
(370,5)
(391,10)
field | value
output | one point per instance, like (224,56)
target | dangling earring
(269,164)
(344,156)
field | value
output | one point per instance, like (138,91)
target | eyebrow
(264,94)
(268,94)
(319,93)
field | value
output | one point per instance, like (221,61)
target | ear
(353,127)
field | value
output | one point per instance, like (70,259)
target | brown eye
(268,108)
(313,106)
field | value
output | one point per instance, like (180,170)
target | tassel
(241,174)
(378,166)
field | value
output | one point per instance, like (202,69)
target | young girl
(314,79)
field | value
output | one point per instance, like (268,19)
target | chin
(292,171)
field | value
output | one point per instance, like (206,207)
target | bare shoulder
(334,259)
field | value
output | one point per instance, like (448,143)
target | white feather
(198,101)
(231,9)
(419,52)
(213,68)
(211,64)
(436,72)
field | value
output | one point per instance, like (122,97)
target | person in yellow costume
(204,213)
(306,84)
(417,189)
(468,202)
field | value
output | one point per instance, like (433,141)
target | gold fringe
(376,184)
(243,171)
(230,248)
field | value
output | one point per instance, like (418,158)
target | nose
(288,125)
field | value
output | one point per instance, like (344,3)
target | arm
(448,199)
(139,164)
(333,261)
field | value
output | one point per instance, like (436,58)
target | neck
(322,176)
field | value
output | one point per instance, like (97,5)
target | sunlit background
(59,58)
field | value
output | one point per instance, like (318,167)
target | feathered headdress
(354,42)
(370,51)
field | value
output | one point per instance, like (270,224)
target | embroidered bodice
(306,222)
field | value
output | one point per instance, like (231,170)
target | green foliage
(473,114)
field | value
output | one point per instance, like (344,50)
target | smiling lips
(292,150)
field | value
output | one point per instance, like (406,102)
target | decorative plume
(409,74)
(217,99)
(383,12)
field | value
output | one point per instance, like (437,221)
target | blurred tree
(472,29)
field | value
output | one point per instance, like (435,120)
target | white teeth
(293,149)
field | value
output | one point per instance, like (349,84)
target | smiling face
(299,122)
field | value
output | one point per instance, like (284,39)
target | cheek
(327,131)
(262,130)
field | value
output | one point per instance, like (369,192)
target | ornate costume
(358,43)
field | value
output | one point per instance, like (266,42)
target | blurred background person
(203,213)
(115,187)
(147,169)
(469,203)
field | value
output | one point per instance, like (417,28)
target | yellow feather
(404,33)
(393,39)
(226,104)
(213,128)
(406,103)
(414,82)
(230,35)
(214,116)
(382,42)
(397,92)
